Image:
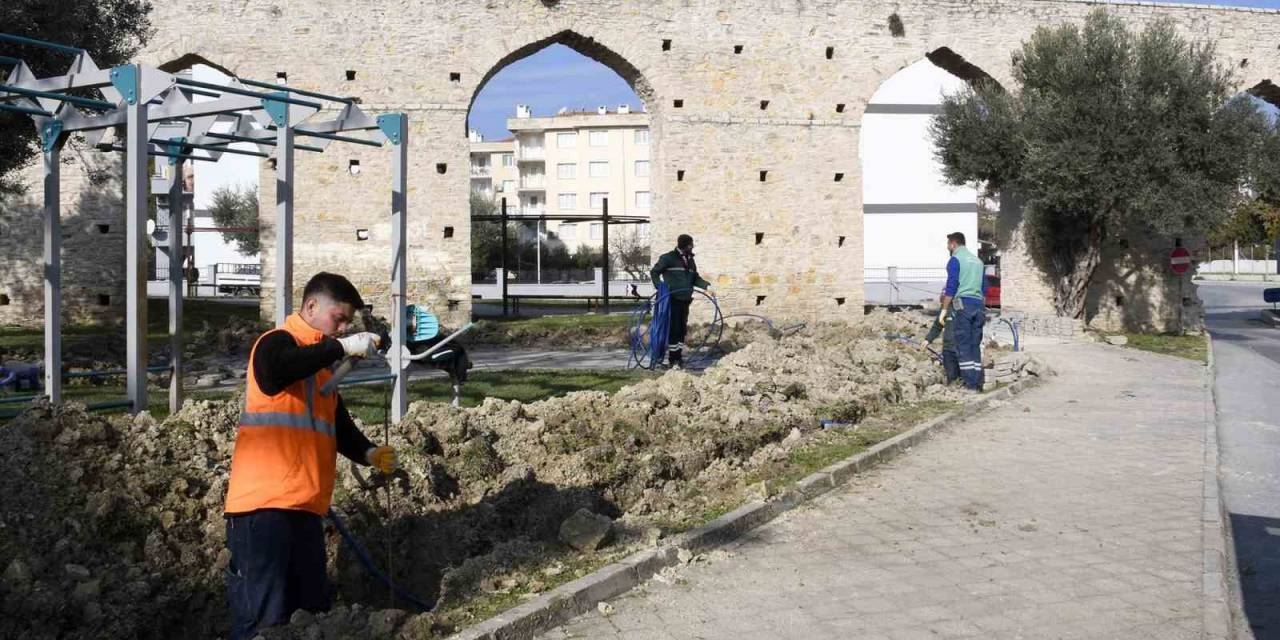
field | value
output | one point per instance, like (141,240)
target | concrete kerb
(1221,601)
(579,596)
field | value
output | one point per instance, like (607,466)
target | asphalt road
(1247,354)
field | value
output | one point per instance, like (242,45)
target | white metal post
(137,186)
(177,209)
(284,220)
(52,275)
(1235,258)
(399,261)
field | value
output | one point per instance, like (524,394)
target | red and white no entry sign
(1180,260)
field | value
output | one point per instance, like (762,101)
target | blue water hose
(373,570)
(649,326)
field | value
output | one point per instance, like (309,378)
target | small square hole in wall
(351,74)
(448,232)
(759,300)
(831,52)
(679,175)
(764,174)
(454,304)
(895,25)
(353,167)
(4,299)
(1244,63)
(839,107)
(737,48)
(454,76)
(1119,301)
(839,176)
(840,241)
(282,77)
(104,228)
(764,104)
(677,103)
(362,234)
(271,162)
(666,45)
(104,300)
(759,237)
(441,167)
(839,302)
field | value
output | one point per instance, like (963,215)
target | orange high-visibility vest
(286,448)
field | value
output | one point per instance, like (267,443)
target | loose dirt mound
(113,528)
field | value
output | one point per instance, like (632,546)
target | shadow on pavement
(1257,547)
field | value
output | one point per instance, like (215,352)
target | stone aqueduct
(703,68)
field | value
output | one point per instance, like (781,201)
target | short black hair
(957,237)
(684,240)
(335,287)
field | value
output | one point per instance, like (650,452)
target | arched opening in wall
(1244,244)
(219,206)
(908,207)
(558,130)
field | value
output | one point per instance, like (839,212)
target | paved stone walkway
(1073,511)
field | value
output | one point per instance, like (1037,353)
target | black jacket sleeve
(278,361)
(351,443)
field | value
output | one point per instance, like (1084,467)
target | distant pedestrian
(680,272)
(962,299)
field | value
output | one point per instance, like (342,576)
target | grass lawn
(1190,347)
(368,402)
(194,314)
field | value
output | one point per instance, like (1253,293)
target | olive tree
(1106,132)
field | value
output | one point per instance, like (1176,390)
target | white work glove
(360,345)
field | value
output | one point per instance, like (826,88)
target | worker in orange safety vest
(282,470)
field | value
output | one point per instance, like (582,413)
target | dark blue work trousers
(970,315)
(277,567)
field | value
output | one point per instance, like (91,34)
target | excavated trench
(112,527)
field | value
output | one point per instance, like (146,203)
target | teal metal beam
(84,102)
(301,92)
(7,37)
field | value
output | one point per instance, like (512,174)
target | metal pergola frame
(604,218)
(156,114)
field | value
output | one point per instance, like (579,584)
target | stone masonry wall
(430,58)
(92,203)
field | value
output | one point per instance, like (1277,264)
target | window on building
(568,201)
(569,231)
(599,138)
(508,186)
(566,171)
(642,136)
(642,168)
(567,140)
(642,200)
(599,169)
(597,231)
(508,159)
(597,200)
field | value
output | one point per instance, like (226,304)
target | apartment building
(568,164)
(494,173)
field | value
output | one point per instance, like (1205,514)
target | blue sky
(558,76)
(554,77)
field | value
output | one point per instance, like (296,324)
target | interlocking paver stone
(1071,511)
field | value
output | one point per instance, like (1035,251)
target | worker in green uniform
(679,271)
(962,298)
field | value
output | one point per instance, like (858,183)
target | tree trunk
(1071,291)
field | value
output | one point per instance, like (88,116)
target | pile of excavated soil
(113,527)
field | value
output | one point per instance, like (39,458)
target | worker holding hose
(283,467)
(680,272)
